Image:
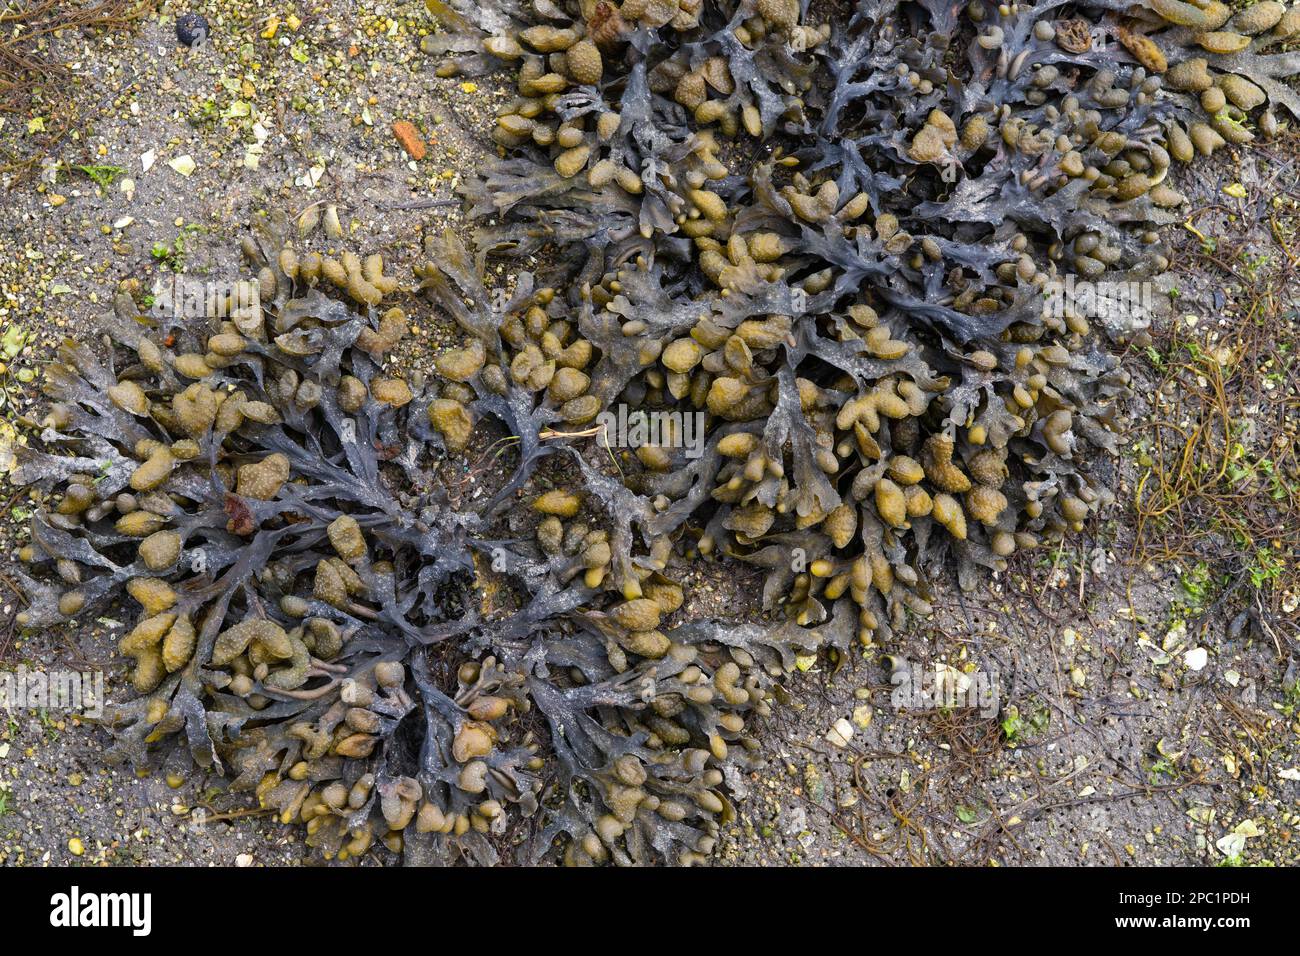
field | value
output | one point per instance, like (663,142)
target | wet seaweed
(835,242)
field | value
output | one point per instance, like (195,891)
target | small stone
(1232,844)
(409,137)
(840,733)
(192,29)
(76,847)
(1196,658)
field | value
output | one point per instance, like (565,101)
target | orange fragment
(410,139)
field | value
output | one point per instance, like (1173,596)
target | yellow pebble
(76,846)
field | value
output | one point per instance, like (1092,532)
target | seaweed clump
(841,244)
(261,490)
(859,248)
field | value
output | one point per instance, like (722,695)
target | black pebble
(191,29)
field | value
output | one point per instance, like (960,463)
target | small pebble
(191,29)
(841,733)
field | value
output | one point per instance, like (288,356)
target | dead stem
(1221,485)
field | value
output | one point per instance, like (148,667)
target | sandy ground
(1104,746)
